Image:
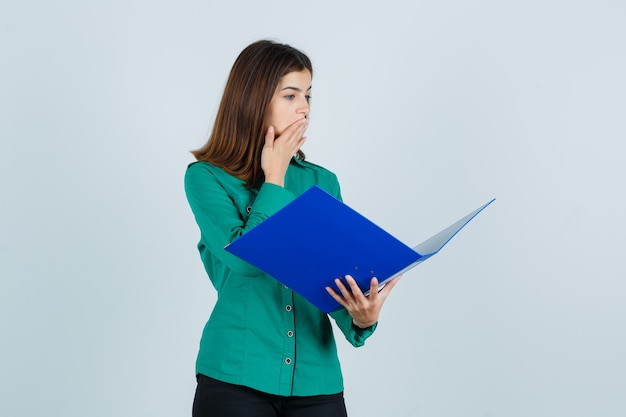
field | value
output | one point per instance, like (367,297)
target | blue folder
(317,238)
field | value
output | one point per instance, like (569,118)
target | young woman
(266,351)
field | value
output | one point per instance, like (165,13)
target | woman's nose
(304,108)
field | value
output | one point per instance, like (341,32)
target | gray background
(424,109)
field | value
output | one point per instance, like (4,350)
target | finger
(295,131)
(295,140)
(389,286)
(269,137)
(347,294)
(373,289)
(337,297)
(299,145)
(298,123)
(354,287)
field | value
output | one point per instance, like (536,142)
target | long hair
(238,134)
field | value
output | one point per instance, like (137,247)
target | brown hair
(238,135)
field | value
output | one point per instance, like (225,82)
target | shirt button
(248,209)
(288,361)
(286,287)
(289,333)
(288,307)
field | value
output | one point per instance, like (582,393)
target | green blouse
(260,333)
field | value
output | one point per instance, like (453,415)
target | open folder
(317,238)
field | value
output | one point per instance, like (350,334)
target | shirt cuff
(360,335)
(271,198)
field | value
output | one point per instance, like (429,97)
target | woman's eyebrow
(299,90)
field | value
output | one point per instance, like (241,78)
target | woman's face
(290,102)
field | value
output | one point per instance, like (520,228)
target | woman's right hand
(278,151)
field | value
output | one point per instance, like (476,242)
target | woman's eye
(308,98)
(290,97)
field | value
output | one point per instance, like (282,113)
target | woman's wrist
(363,325)
(276,180)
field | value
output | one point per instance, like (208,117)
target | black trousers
(219,399)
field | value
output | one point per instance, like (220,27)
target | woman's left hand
(364,309)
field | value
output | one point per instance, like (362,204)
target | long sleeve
(218,216)
(353,334)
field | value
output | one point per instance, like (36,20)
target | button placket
(289,329)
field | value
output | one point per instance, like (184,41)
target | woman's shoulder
(205,168)
(202,166)
(202,171)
